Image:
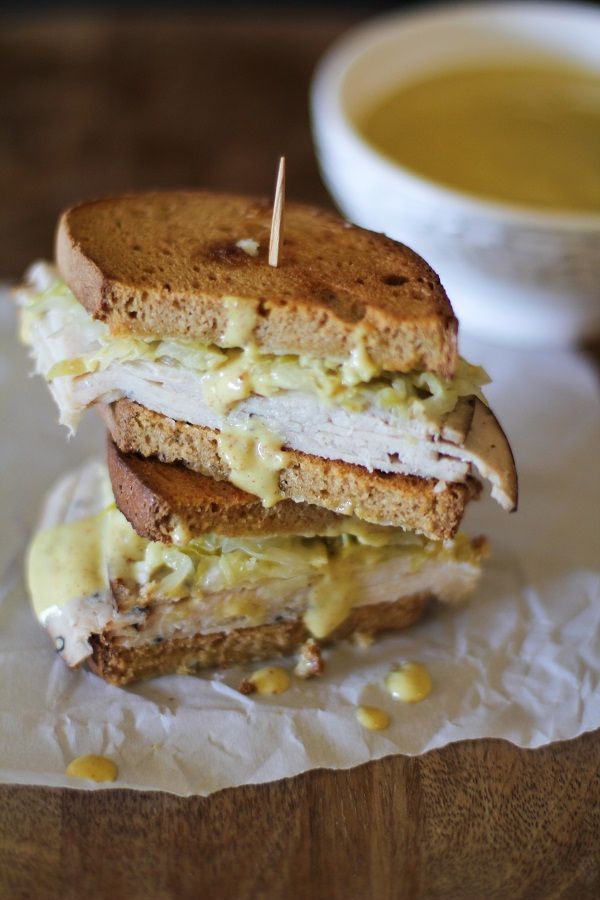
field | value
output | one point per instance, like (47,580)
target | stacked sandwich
(290,449)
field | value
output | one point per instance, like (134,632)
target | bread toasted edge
(121,665)
(159,498)
(85,279)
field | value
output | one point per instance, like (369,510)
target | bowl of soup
(472,134)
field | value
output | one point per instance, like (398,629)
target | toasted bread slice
(119,664)
(171,264)
(159,499)
(417,504)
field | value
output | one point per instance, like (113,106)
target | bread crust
(406,501)
(158,497)
(121,665)
(162,263)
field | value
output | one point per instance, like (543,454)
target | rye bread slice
(424,505)
(158,498)
(162,264)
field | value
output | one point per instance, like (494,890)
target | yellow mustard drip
(93,768)
(360,367)
(270,680)
(65,563)
(330,602)
(372,718)
(410,682)
(72,367)
(230,383)
(520,133)
(123,547)
(255,458)
(244,606)
(241,320)
(181,534)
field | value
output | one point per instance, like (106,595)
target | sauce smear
(93,768)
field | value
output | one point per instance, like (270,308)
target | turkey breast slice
(468,439)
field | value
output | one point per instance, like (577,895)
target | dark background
(104,97)
(27,6)
(100,97)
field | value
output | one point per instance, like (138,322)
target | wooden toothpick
(276,241)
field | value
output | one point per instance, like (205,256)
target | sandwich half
(170,594)
(332,380)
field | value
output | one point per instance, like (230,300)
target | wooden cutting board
(476,820)
(89,106)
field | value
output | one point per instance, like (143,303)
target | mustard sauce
(372,718)
(244,605)
(255,458)
(52,577)
(270,680)
(241,313)
(330,602)
(410,682)
(520,133)
(92,768)
(360,367)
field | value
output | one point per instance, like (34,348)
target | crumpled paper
(521,661)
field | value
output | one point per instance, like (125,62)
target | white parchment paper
(521,661)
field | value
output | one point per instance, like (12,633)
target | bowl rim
(351,45)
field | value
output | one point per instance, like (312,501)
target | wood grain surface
(89,106)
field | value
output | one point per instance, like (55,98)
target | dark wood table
(94,105)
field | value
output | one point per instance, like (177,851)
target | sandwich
(153,589)
(291,449)
(333,379)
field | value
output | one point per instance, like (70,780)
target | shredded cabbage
(230,375)
(214,562)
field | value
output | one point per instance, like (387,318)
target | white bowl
(514,275)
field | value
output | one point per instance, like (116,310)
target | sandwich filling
(90,573)
(414,423)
